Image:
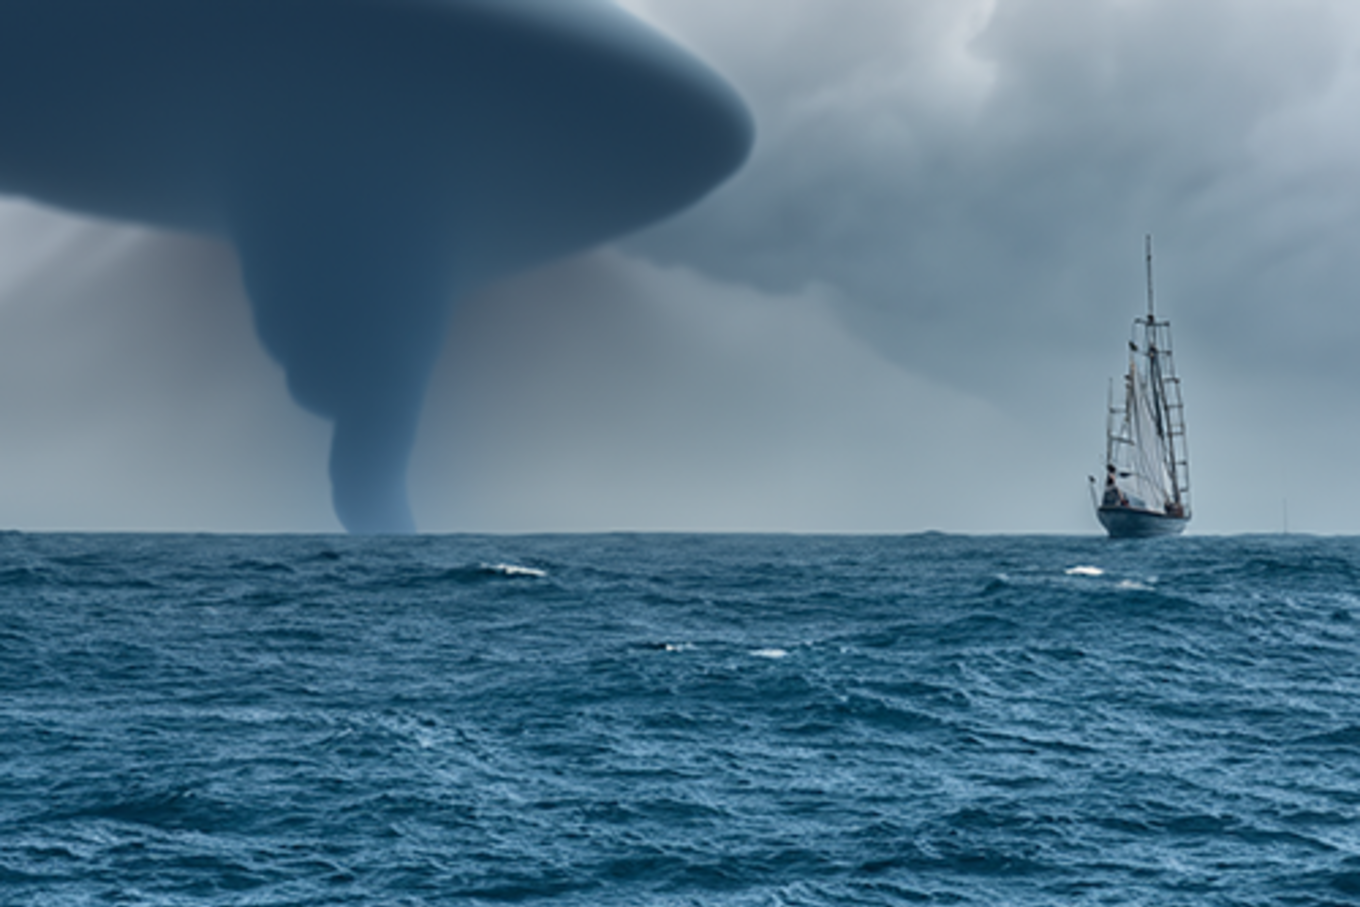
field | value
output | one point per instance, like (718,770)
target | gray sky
(901,316)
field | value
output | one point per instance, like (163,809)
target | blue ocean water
(679,720)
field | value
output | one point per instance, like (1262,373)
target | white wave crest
(1084,570)
(514,570)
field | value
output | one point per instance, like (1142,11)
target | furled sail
(1142,448)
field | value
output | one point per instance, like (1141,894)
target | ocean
(679,720)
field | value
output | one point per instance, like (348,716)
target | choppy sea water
(679,720)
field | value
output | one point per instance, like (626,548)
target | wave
(1084,570)
(514,570)
(609,720)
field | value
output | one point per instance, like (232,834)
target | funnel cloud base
(357,321)
(368,475)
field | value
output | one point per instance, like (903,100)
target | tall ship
(1146,490)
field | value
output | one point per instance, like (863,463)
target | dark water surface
(668,720)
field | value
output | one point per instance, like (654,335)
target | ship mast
(1161,406)
(1148,246)
(1154,366)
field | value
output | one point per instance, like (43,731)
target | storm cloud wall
(369,160)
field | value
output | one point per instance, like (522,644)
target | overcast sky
(901,315)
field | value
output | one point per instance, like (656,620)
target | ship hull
(1131,523)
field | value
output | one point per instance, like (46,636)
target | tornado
(370,161)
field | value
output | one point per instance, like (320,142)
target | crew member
(1114,497)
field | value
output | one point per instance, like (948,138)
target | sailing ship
(1146,491)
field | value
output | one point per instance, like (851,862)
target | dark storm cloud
(369,160)
(962,184)
(980,166)
(976,178)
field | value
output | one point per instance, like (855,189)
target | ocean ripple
(668,720)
